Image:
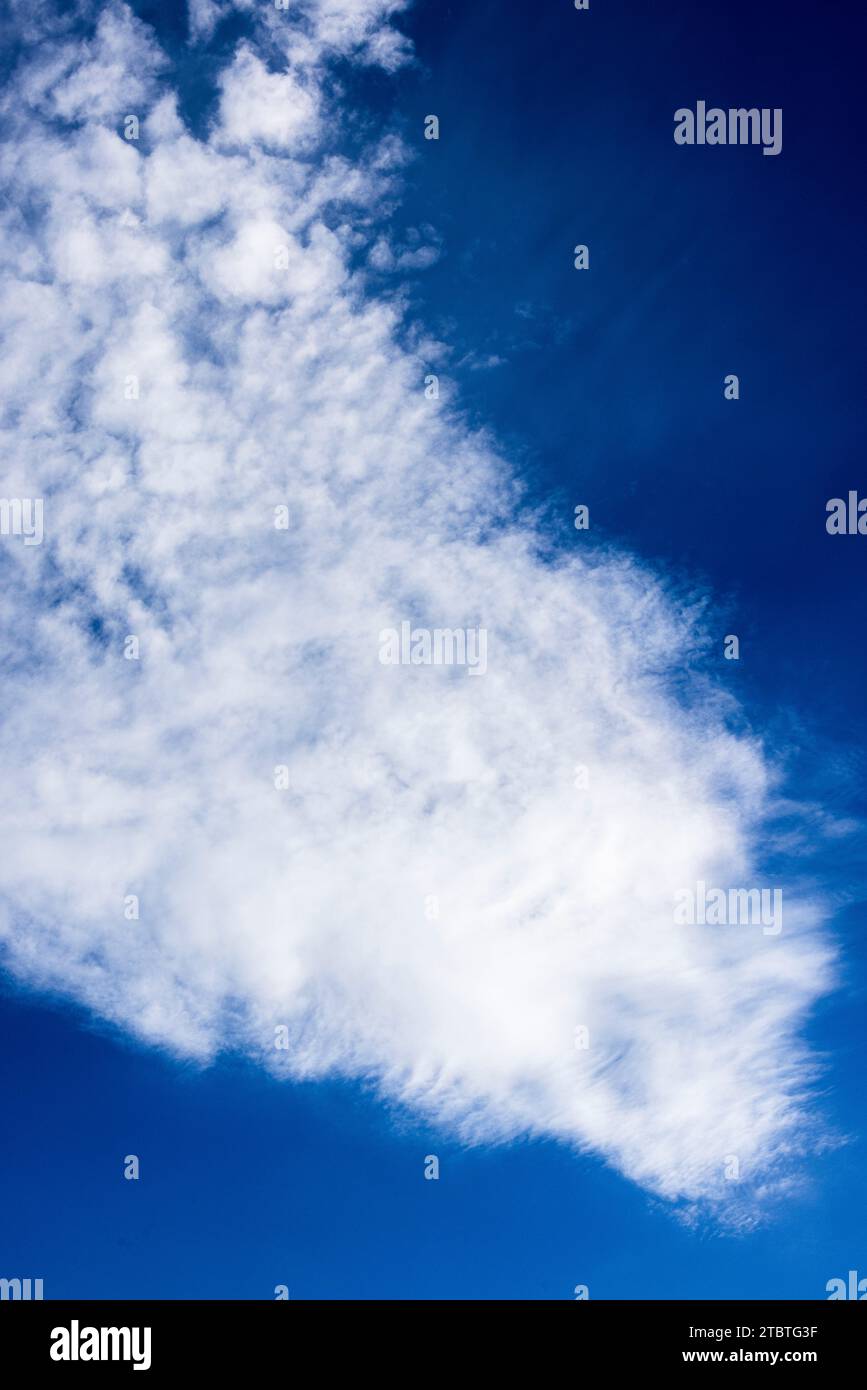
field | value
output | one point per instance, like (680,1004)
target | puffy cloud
(314,30)
(361,28)
(205,15)
(429,902)
(422,249)
(100,78)
(273,109)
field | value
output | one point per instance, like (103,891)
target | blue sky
(606,388)
(246,1184)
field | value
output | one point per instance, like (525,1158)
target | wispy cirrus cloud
(430,902)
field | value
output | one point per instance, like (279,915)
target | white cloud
(263,384)
(274,109)
(422,249)
(103,78)
(205,15)
(360,29)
